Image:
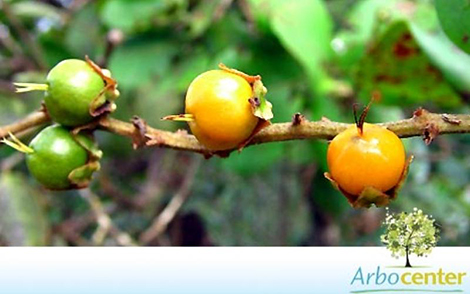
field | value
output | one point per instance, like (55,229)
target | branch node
(325,119)
(451,119)
(431,131)
(182,132)
(139,138)
(298,119)
(419,112)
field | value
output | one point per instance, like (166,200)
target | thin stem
(162,221)
(34,119)
(105,224)
(33,46)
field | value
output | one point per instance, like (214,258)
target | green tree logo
(408,233)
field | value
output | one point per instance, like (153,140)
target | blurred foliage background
(316,57)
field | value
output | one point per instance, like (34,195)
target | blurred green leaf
(138,61)
(160,99)
(369,19)
(54,48)
(130,15)
(36,9)
(304,27)
(260,10)
(454,16)
(84,34)
(265,208)
(453,62)
(254,159)
(397,67)
(202,17)
(22,217)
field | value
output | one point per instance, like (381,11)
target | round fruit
(373,158)
(72,86)
(222,115)
(56,154)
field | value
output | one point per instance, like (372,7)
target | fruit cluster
(224,108)
(76,92)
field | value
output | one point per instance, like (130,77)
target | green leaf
(22,218)
(397,67)
(453,62)
(454,16)
(260,11)
(304,28)
(368,19)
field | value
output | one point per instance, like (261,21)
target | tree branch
(423,123)
(34,119)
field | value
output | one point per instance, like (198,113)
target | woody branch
(423,123)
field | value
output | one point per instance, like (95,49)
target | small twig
(71,236)
(113,39)
(153,186)
(105,224)
(160,223)
(33,46)
(77,5)
(34,119)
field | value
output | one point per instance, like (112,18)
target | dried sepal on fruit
(76,92)
(370,195)
(367,163)
(82,176)
(225,108)
(262,108)
(103,102)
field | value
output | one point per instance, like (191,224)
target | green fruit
(56,154)
(72,87)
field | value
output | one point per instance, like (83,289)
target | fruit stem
(179,117)
(360,122)
(28,87)
(16,144)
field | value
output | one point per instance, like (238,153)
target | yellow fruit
(373,158)
(222,115)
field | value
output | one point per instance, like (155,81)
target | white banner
(231,270)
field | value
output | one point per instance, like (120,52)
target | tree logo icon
(410,233)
